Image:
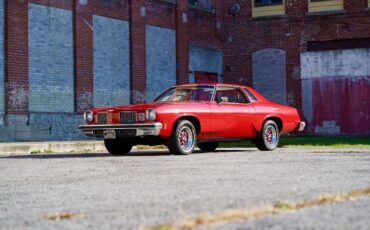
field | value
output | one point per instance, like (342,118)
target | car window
(190,93)
(230,95)
(250,95)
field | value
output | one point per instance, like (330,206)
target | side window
(230,95)
(250,95)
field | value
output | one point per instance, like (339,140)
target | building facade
(60,57)
(312,54)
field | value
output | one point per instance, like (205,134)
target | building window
(267,2)
(263,8)
(205,4)
(324,5)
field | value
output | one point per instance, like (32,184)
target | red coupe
(195,114)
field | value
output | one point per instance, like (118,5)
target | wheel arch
(193,119)
(277,120)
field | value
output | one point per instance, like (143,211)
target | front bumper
(122,130)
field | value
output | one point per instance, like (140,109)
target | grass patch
(39,151)
(312,141)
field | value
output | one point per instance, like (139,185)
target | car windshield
(189,93)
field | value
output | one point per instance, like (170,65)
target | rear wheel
(117,147)
(208,146)
(268,138)
(183,138)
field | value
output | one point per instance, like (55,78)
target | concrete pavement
(150,188)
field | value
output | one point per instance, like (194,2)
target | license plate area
(126,132)
(110,134)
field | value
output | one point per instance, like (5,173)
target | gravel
(152,187)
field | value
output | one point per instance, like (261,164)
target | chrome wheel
(183,138)
(271,136)
(268,138)
(186,139)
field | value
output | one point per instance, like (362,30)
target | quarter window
(250,95)
(230,95)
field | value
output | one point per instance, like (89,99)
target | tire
(183,138)
(208,146)
(268,138)
(117,147)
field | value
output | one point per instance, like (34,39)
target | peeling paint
(345,101)
(138,96)
(18,96)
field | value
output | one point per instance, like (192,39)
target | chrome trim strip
(148,129)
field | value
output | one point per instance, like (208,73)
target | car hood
(134,107)
(141,107)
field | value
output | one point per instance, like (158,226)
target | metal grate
(102,118)
(128,117)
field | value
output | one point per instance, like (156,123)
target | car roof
(212,84)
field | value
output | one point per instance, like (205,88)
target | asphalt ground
(154,189)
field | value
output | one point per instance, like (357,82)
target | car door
(231,114)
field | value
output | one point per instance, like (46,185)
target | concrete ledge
(51,147)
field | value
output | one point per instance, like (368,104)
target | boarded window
(269,74)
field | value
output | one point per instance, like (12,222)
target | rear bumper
(120,130)
(301,126)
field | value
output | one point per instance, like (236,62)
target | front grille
(102,118)
(128,117)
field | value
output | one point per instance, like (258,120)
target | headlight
(88,116)
(150,114)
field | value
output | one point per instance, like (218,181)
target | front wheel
(183,138)
(268,138)
(117,147)
(208,146)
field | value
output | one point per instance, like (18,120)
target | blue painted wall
(269,74)
(160,60)
(2,105)
(205,60)
(111,61)
(50,37)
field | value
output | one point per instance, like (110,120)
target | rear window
(250,95)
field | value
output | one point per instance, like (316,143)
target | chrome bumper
(301,126)
(125,130)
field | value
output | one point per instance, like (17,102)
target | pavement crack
(280,207)
(58,216)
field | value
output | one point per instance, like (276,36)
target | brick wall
(205,60)
(111,61)
(2,79)
(232,39)
(269,74)
(160,60)
(244,35)
(50,59)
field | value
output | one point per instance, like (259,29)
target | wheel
(208,146)
(117,147)
(268,138)
(183,138)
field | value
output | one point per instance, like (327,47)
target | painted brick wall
(160,60)
(2,79)
(269,74)
(336,91)
(111,61)
(205,60)
(50,59)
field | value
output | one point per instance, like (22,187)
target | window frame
(267,4)
(247,101)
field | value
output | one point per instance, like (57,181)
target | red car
(195,114)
